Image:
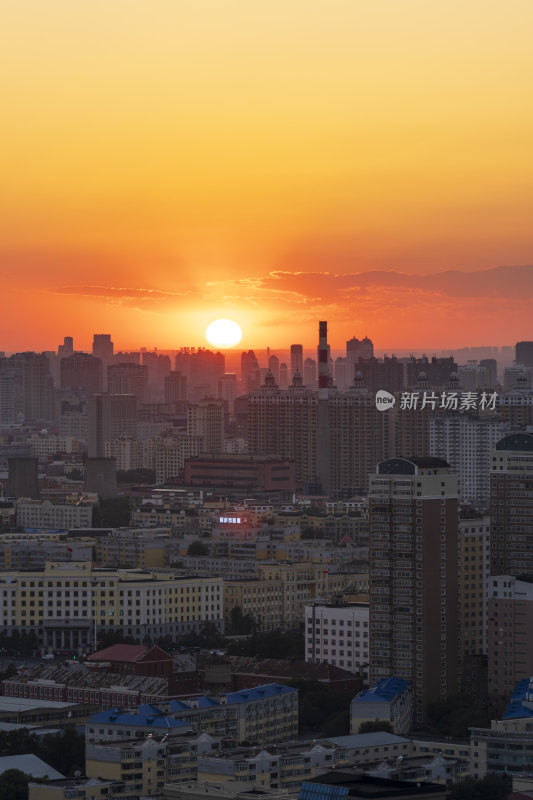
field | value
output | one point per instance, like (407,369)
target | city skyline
(170,164)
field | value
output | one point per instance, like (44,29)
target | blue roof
(141,720)
(259,693)
(178,705)
(523,692)
(384,691)
(205,702)
(321,791)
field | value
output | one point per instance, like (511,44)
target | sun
(223,333)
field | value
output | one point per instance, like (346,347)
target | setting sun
(223,333)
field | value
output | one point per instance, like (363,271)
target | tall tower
(413,560)
(323,437)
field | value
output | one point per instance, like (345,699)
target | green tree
(14,785)
(197,548)
(64,751)
(454,716)
(374,725)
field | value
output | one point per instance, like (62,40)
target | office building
(103,347)
(413,562)
(517,377)
(309,374)
(273,365)
(357,349)
(227,390)
(176,391)
(36,386)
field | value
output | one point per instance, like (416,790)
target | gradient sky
(167,162)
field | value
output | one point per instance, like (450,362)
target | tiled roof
(120,652)
(521,704)
(384,691)
(141,720)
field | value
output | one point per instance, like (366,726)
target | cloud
(138,297)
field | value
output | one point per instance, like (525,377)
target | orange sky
(168,162)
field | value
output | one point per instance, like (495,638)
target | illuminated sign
(229,520)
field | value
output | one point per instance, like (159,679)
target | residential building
(510,645)
(413,508)
(389,700)
(511,506)
(263,473)
(81,371)
(205,420)
(43,514)
(109,416)
(338,634)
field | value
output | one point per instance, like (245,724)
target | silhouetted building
(81,371)
(250,374)
(101,477)
(103,347)
(438,371)
(357,349)
(36,386)
(109,416)
(297,359)
(128,379)
(386,374)
(176,391)
(309,374)
(524,353)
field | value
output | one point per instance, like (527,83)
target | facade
(109,416)
(466,443)
(67,603)
(338,635)
(128,378)
(263,714)
(264,473)
(474,561)
(81,371)
(205,420)
(167,454)
(262,600)
(511,482)
(390,700)
(413,508)
(510,645)
(45,514)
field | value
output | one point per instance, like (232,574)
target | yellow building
(67,603)
(263,600)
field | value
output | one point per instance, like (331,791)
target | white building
(338,635)
(44,514)
(390,699)
(466,443)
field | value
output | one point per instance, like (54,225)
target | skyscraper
(36,388)
(103,347)
(297,359)
(511,506)
(176,391)
(128,379)
(250,374)
(413,508)
(310,372)
(206,421)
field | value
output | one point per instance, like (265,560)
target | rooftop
(521,703)
(384,691)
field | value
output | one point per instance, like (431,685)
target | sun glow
(223,333)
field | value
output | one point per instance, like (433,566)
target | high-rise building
(81,371)
(273,365)
(517,377)
(176,391)
(309,373)
(202,368)
(357,349)
(283,376)
(128,379)
(510,644)
(103,347)
(67,348)
(438,371)
(413,511)
(341,373)
(10,392)
(386,374)
(109,416)
(297,359)
(524,353)
(466,443)
(36,395)
(227,390)
(491,364)
(250,374)
(511,505)
(206,421)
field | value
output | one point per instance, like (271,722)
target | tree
(491,787)
(197,548)
(374,725)
(241,624)
(64,751)
(455,715)
(14,785)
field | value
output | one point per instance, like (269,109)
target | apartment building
(390,700)
(77,513)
